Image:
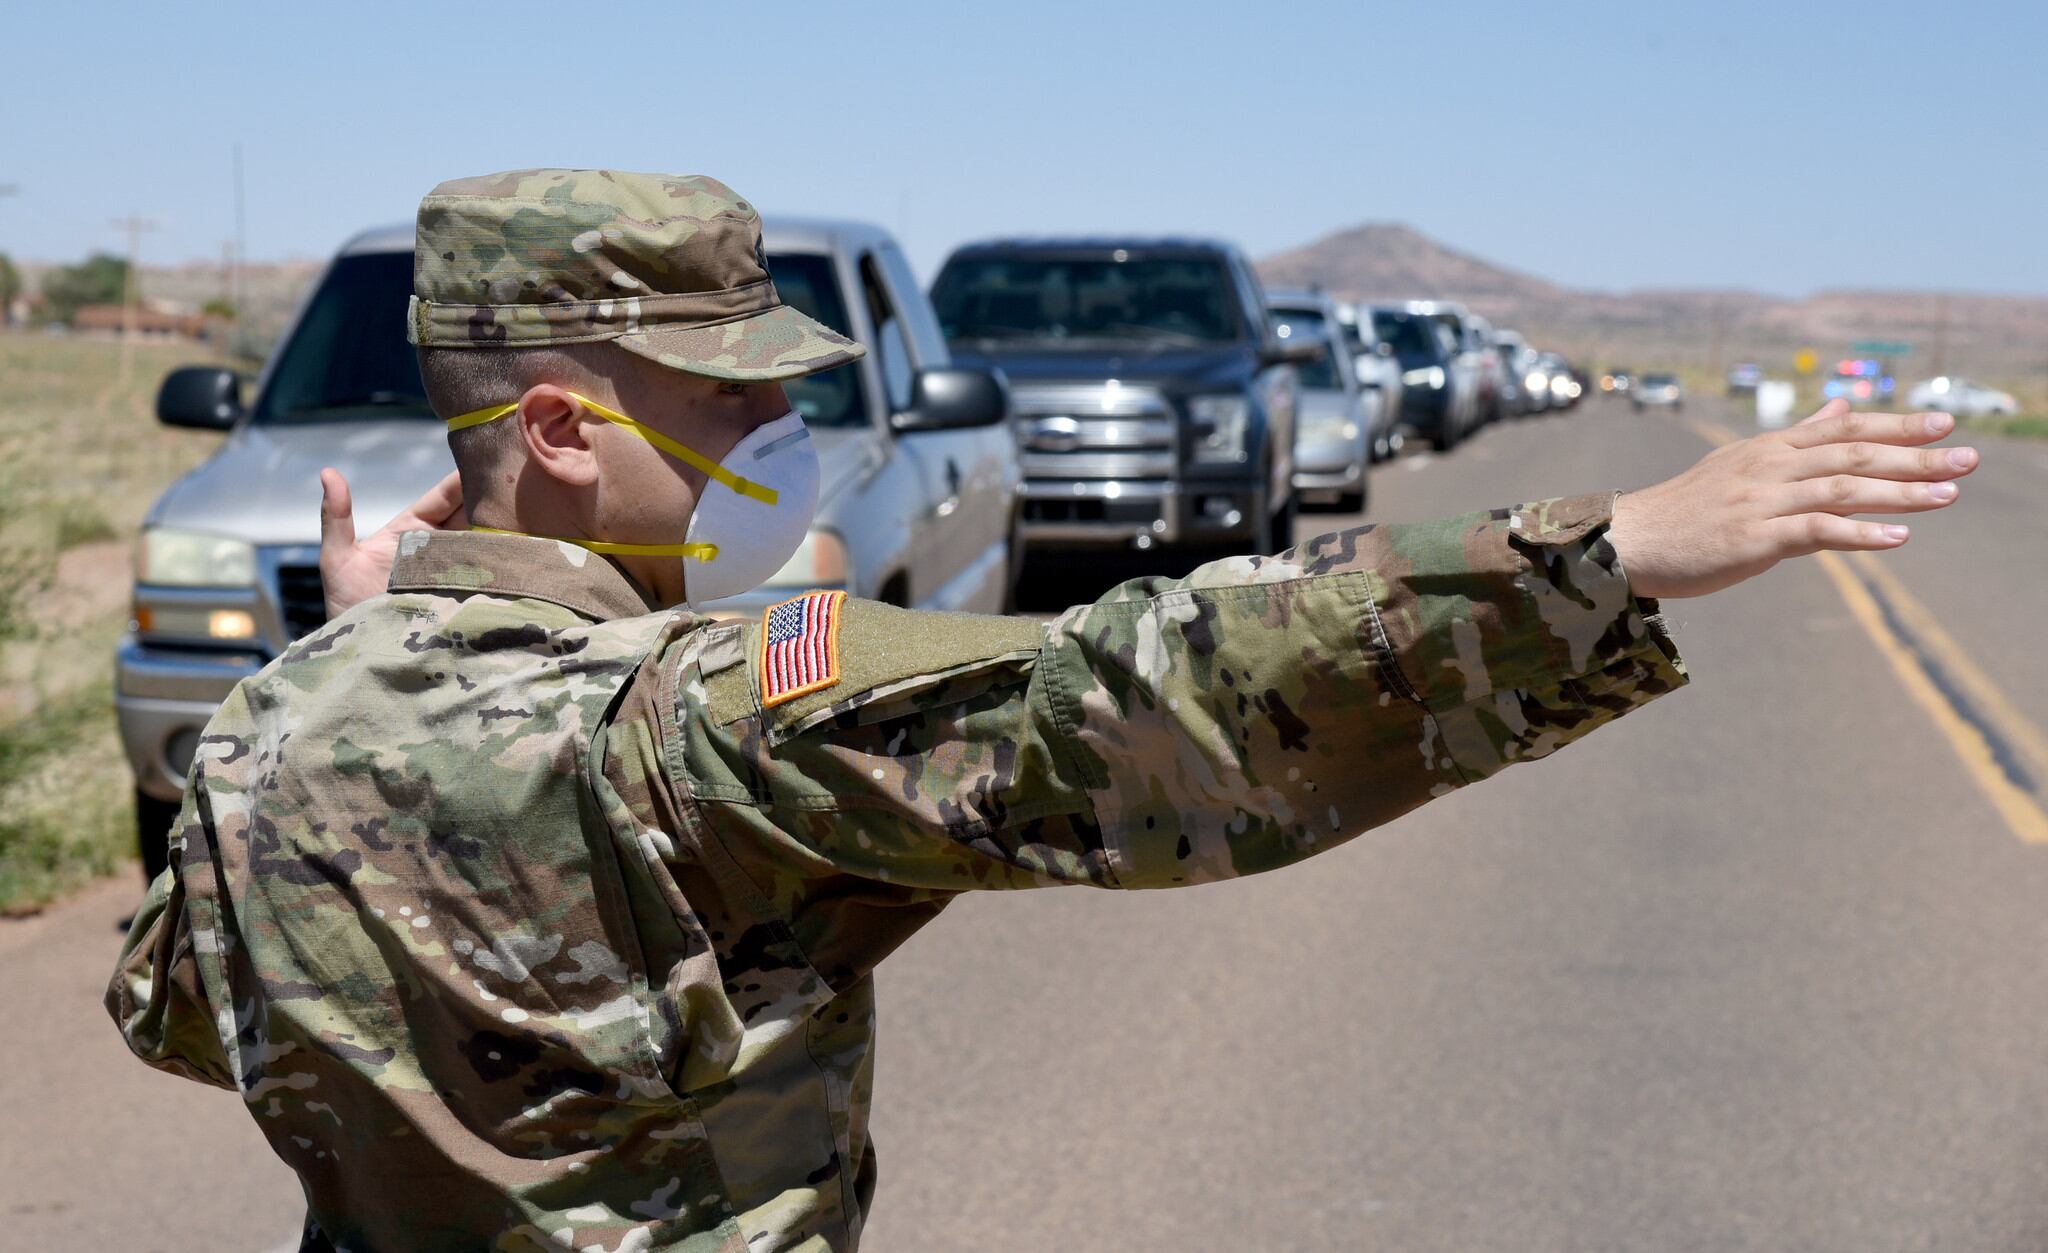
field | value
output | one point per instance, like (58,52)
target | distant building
(151,319)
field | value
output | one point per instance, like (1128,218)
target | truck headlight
(1431,376)
(1535,381)
(820,561)
(1314,430)
(1220,423)
(194,559)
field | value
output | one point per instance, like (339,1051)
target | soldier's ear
(556,432)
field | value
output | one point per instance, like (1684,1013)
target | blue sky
(1782,147)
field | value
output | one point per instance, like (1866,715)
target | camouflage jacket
(520,920)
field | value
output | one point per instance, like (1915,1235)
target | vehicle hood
(264,483)
(1177,369)
(1321,404)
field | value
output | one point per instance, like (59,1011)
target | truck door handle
(951,504)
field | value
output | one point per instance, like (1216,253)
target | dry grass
(81,459)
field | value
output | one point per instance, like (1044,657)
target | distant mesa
(1994,336)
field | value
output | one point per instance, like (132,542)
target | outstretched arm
(1266,708)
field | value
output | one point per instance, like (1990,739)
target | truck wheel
(1351,502)
(153,819)
(1279,530)
(1013,572)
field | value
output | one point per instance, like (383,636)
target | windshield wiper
(1159,333)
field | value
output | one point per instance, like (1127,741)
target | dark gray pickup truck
(1154,402)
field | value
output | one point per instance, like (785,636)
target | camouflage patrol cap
(667,266)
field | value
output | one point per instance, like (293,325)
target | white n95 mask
(752,516)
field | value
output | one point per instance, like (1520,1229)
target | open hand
(1745,507)
(352,571)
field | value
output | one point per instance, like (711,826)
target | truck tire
(1276,529)
(153,819)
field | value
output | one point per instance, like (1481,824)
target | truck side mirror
(949,399)
(1294,350)
(205,397)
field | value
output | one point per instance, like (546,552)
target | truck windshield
(1294,325)
(349,359)
(1158,300)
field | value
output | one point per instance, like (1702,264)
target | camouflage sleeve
(156,996)
(1181,731)
(1265,709)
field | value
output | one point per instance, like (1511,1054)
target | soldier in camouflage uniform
(526,911)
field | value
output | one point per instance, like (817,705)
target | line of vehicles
(1151,393)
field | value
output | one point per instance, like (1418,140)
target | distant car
(1659,391)
(1332,430)
(1378,370)
(1469,380)
(1743,378)
(1567,383)
(1861,381)
(1522,392)
(1493,375)
(1961,397)
(1616,381)
(1436,400)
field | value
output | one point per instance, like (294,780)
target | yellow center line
(2020,741)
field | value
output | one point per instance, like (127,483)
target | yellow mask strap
(683,453)
(698,552)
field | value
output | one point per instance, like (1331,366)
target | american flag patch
(800,647)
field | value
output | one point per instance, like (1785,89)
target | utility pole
(134,224)
(1941,334)
(241,240)
(7,309)
(1715,361)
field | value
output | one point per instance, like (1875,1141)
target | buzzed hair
(463,380)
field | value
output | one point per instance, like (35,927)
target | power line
(134,224)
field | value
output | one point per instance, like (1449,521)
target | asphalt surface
(1758,968)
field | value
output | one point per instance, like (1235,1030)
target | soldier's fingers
(1846,494)
(1804,533)
(1832,409)
(442,503)
(1879,461)
(1836,423)
(337,512)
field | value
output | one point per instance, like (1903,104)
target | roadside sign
(1805,362)
(1880,348)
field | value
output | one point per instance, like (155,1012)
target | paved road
(1757,969)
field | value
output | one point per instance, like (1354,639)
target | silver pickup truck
(919,504)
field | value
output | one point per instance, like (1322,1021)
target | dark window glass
(809,284)
(349,357)
(1294,325)
(1408,333)
(1158,300)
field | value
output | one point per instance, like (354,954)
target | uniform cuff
(1521,598)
